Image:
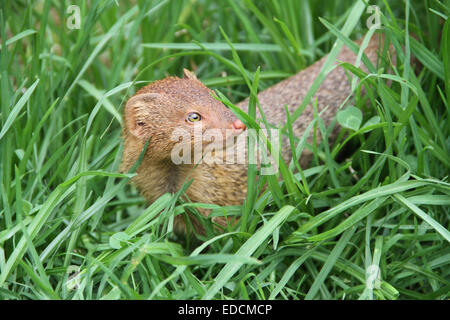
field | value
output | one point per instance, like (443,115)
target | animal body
(160,108)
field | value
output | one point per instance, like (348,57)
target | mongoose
(159,108)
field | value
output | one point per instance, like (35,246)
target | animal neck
(169,177)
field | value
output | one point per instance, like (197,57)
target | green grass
(71,227)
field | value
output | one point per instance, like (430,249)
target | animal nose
(238,124)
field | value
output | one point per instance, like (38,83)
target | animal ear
(136,113)
(189,75)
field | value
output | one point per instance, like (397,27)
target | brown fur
(155,110)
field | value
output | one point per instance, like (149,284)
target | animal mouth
(228,139)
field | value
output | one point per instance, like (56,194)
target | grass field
(368,220)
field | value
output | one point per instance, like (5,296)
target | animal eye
(194,117)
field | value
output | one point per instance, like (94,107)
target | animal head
(165,107)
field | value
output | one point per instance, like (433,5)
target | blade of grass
(247,249)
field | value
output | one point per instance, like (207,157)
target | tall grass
(368,219)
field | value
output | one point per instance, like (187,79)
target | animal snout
(238,125)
